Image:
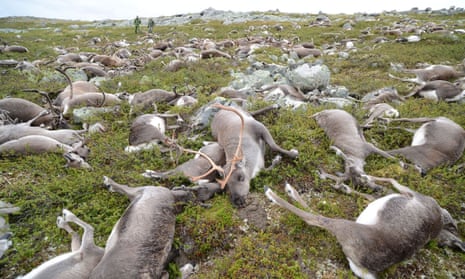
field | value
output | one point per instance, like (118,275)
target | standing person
(137,22)
(150,25)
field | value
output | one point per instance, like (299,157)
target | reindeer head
(238,183)
(449,235)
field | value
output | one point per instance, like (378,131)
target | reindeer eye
(240,178)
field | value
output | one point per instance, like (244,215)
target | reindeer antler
(68,79)
(214,167)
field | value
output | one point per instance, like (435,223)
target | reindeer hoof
(294,153)
(403,165)
(60,221)
(181,188)
(321,174)
(151,174)
(107,183)
(67,215)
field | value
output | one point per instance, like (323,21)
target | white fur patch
(140,147)
(113,237)
(369,215)
(419,137)
(360,271)
(393,113)
(430,95)
(65,109)
(158,123)
(260,163)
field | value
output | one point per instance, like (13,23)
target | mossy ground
(212,237)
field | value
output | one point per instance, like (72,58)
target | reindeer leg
(42,113)
(112,186)
(203,191)
(340,186)
(309,218)
(399,187)
(339,152)
(88,235)
(414,120)
(268,138)
(75,237)
(156,174)
(347,190)
(276,160)
(264,110)
(414,80)
(291,192)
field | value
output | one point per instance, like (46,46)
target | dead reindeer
(22,139)
(213,53)
(74,160)
(23,110)
(439,90)
(89,99)
(13,48)
(243,139)
(380,111)
(287,90)
(438,141)
(348,141)
(378,104)
(78,263)
(15,131)
(140,242)
(93,71)
(73,88)
(109,61)
(142,101)
(383,95)
(204,168)
(390,229)
(302,52)
(432,72)
(148,130)
(37,144)
(69,100)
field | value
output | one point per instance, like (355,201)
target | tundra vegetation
(260,240)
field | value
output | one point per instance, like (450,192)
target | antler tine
(215,167)
(44,94)
(68,79)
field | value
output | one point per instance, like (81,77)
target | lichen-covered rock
(86,114)
(309,77)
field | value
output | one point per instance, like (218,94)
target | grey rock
(308,77)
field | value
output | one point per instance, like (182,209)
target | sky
(127,9)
